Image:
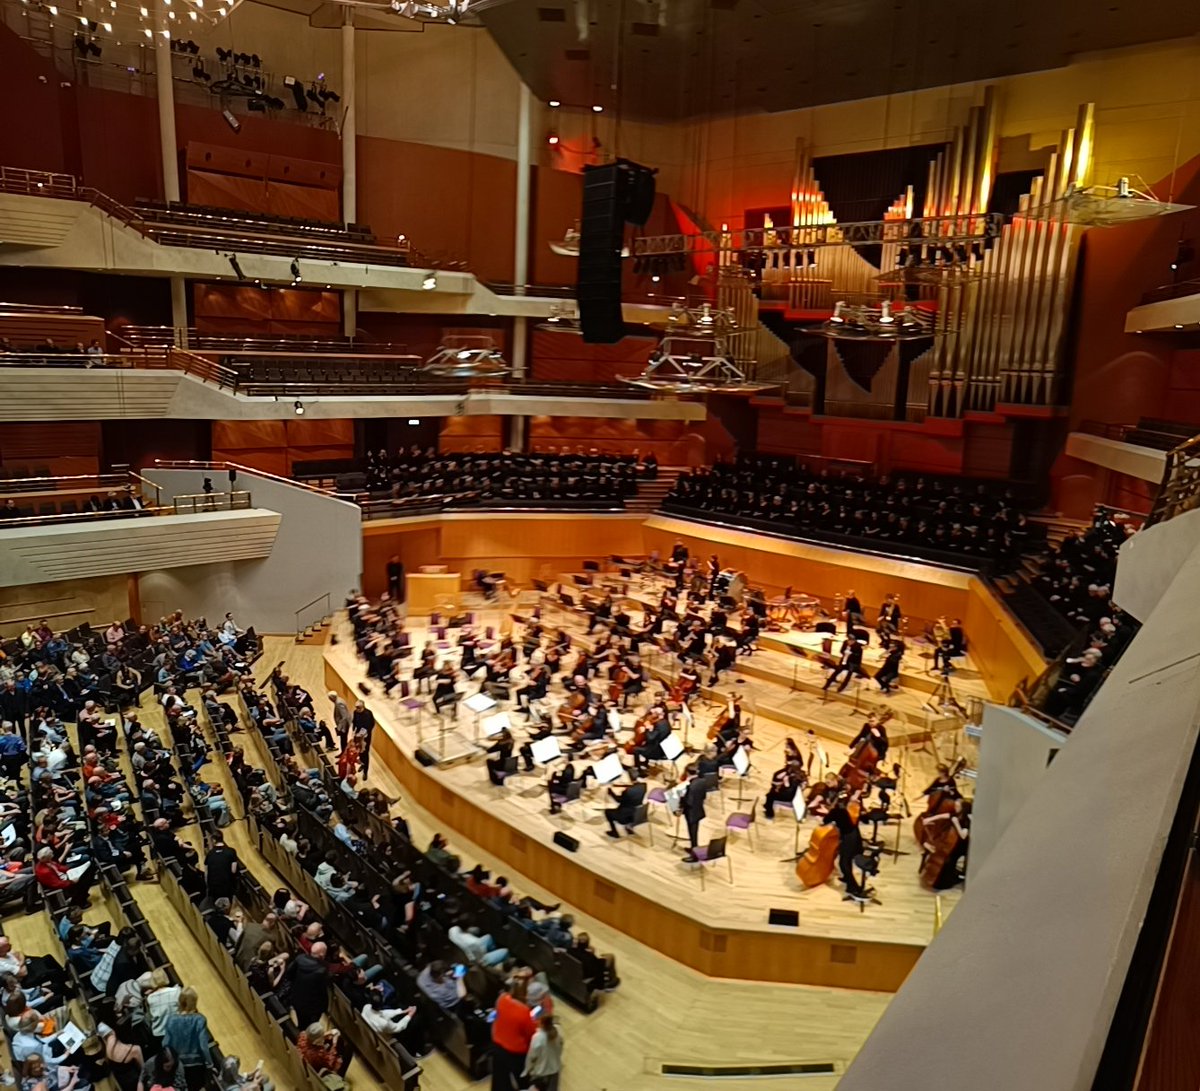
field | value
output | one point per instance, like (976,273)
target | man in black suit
(628,803)
(848,665)
(692,806)
(852,611)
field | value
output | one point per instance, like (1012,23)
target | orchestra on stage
(580,700)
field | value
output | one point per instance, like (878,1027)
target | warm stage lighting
(552,138)
(299,408)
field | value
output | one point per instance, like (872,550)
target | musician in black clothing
(651,748)
(943,782)
(694,648)
(627,806)
(561,780)
(428,667)
(785,783)
(535,690)
(889,672)
(692,806)
(726,654)
(890,615)
(850,844)
(849,664)
(500,751)
(444,692)
(602,611)
(749,633)
(714,571)
(852,611)
(679,553)
(874,730)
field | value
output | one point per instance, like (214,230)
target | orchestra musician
(785,783)
(852,611)
(601,611)
(466,645)
(822,795)
(849,664)
(943,784)
(444,692)
(427,669)
(692,808)
(714,571)
(724,656)
(679,553)
(945,844)
(635,678)
(875,730)
(651,747)
(890,616)
(561,780)
(693,644)
(889,671)
(536,684)
(850,844)
(749,634)
(499,754)
(627,804)
(949,642)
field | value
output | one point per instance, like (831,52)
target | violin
(640,729)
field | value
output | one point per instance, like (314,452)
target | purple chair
(413,705)
(741,820)
(710,853)
(435,620)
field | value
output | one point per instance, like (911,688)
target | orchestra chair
(641,818)
(744,820)
(414,706)
(659,796)
(507,772)
(572,794)
(712,852)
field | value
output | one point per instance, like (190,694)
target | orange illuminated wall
(471,434)
(565,357)
(250,181)
(50,449)
(274,445)
(674,443)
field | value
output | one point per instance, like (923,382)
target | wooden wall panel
(247,309)
(271,460)
(471,434)
(1000,648)
(245,434)
(52,448)
(565,357)
(64,604)
(674,443)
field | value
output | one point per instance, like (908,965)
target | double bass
(816,865)
(943,847)
(941,800)
(860,765)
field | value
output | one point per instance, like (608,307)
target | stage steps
(651,494)
(317,633)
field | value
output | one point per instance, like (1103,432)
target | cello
(640,729)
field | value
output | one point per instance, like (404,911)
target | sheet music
(479,702)
(493,725)
(607,769)
(546,750)
(672,747)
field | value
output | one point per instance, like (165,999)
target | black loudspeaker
(566,841)
(601,237)
(788,917)
(425,759)
(232,475)
(613,194)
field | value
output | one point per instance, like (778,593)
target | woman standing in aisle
(543,1063)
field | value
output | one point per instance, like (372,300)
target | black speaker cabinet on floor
(613,194)
(566,841)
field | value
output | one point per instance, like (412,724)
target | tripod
(943,696)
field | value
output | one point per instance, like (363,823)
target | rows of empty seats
(213,216)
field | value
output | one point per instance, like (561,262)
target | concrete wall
(1014,753)
(318,549)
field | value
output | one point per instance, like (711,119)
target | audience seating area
(980,525)
(214,216)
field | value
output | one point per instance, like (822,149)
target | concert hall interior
(599,546)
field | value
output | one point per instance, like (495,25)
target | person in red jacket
(512,1031)
(51,875)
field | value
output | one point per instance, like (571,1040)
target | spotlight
(552,138)
(299,407)
(414,421)
(597,109)
(554,103)
(430,282)
(237,269)
(295,267)
(297,92)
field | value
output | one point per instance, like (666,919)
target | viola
(683,689)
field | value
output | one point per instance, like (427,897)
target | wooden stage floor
(882,940)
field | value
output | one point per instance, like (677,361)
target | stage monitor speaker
(566,841)
(424,758)
(788,917)
(232,475)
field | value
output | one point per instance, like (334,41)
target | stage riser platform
(756,952)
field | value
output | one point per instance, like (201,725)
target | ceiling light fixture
(865,322)
(554,103)
(597,109)
(429,283)
(298,407)
(700,364)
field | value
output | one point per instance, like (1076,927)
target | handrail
(200,464)
(1180,488)
(80,517)
(300,625)
(30,484)
(199,502)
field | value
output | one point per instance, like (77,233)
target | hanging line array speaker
(613,194)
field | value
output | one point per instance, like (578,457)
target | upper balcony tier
(51,221)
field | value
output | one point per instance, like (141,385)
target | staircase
(316,633)
(651,494)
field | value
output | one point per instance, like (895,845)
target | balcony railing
(1180,489)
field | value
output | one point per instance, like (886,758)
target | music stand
(800,810)
(478,703)
(741,764)
(608,769)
